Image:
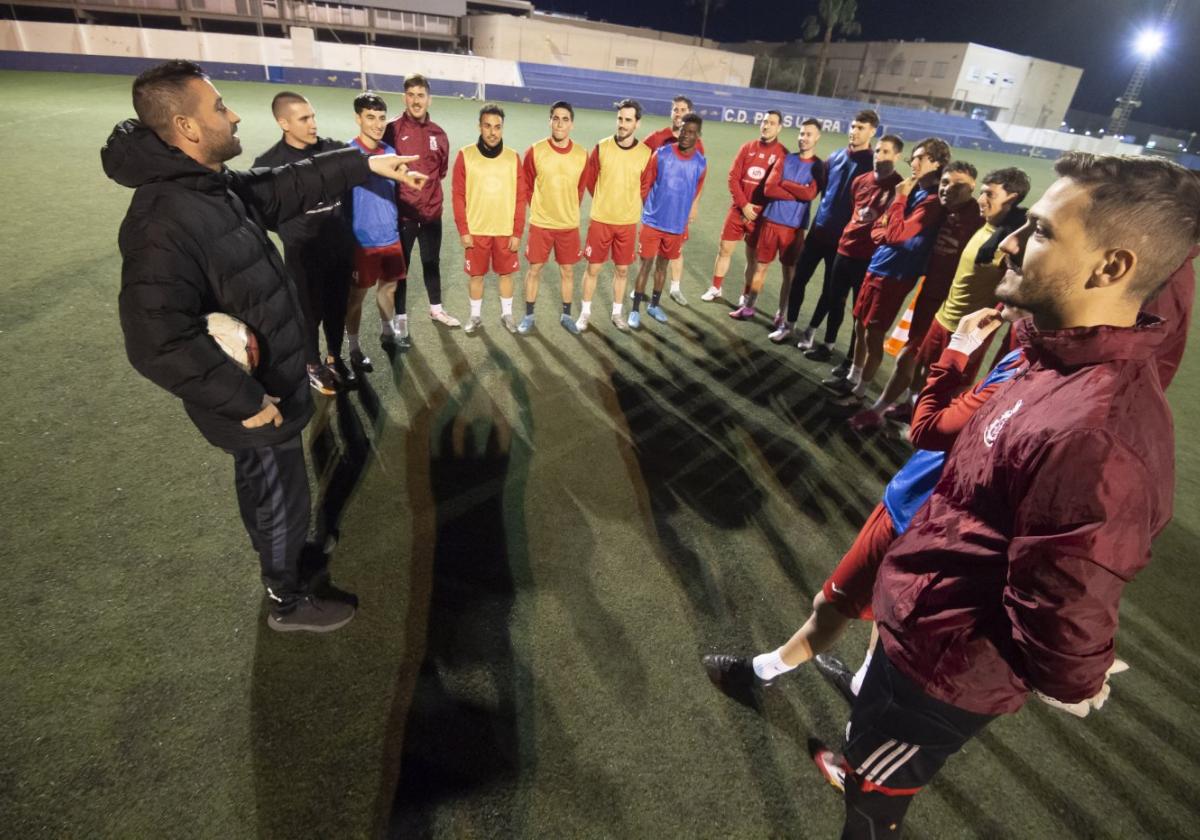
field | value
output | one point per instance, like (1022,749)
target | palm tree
(714,5)
(831,14)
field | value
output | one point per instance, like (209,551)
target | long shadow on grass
(463,733)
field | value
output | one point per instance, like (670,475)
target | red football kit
(751,166)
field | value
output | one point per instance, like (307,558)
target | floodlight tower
(1147,45)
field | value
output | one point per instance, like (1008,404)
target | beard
(222,148)
(1040,297)
(885,168)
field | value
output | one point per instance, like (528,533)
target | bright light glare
(1149,42)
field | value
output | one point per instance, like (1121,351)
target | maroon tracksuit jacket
(426,139)
(1009,578)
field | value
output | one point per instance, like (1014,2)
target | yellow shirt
(617,194)
(555,176)
(489,196)
(974,285)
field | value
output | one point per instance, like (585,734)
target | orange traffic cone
(899,336)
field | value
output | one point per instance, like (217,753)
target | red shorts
(659,243)
(880,299)
(490,252)
(938,339)
(565,242)
(852,582)
(771,239)
(928,302)
(620,240)
(378,265)
(736,226)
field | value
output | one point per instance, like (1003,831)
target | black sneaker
(312,613)
(818,353)
(347,375)
(734,676)
(359,361)
(842,369)
(840,386)
(838,675)
(321,379)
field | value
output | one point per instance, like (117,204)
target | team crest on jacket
(433,144)
(992,432)
(756,172)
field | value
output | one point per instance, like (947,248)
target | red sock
(717,281)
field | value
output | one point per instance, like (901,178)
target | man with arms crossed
(489,194)
(833,213)
(789,189)
(750,168)
(414,133)
(554,170)
(1009,579)
(618,178)
(676,181)
(681,106)
(193,243)
(318,246)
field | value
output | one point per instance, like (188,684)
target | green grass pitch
(546,534)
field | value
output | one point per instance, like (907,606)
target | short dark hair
(416,80)
(682,98)
(491,108)
(813,121)
(369,101)
(631,103)
(566,106)
(284,99)
(867,116)
(1013,180)
(1149,205)
(692,118)
(778,115)
(962,166)
(161,92)
(896,142)
(937,149)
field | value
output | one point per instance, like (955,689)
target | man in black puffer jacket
(192,243)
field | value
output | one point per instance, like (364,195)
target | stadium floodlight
(1149,42)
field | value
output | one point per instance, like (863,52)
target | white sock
(855,375)
(477,308)
(505,306)
(617,310)
(353,339)
(385,326)
(768,666)
(400,325)
(435,309)
(860,390)
(585,309)
(860,674)
(675,285)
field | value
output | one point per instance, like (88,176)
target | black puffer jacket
(193,242)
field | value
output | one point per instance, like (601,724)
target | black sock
(528,307)
(638,297)
(567,307)
(655,298)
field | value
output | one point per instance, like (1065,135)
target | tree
(840,15)
(706,5)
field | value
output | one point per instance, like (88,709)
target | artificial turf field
(545,533)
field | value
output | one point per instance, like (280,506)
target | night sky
(1093,34)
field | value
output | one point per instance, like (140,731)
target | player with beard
(956,194)
(1008,581)
(193,244)
(871,195)
(790,189)
(676,180)
(554,170)
(617,176)
(903,237)
(318,247)
(681,106)
(820,246)
(414,133)
(489,195)
(747,174)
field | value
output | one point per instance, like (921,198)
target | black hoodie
(193,242)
